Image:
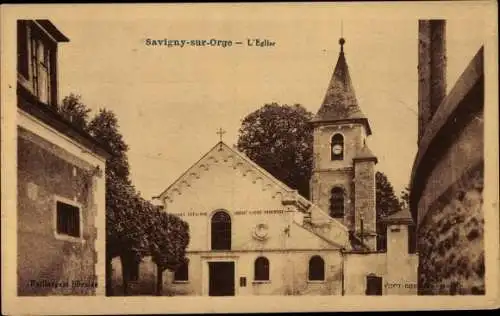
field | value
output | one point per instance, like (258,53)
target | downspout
(342,258)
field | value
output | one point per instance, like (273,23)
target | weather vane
(341,40)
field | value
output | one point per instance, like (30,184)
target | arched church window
(261,269)
(182,272)
(316,269)
(221,231)
(337,147)
(337,202)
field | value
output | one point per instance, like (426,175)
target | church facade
(250,234)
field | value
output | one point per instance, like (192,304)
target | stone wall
(354,134)
(364,175)
(43,177)
(322,184)
(447,177)
(451,242)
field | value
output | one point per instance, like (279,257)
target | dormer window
(337,147)
(41,54)
(36,58)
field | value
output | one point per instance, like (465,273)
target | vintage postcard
(214,158)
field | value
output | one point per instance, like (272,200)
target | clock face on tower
(337,149)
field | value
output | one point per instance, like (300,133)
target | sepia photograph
(253,152)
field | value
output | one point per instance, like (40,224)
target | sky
(171,101)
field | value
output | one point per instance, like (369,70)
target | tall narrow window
(22,49)
(68,219)
(182,272)
(221,231)
(337,202)
(316,269)
(337,147)
(261,269)
(43,66)
(42,63)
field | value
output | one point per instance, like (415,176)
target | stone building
(253,235)
(447,177)
(60,179)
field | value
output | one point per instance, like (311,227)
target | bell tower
(343,175)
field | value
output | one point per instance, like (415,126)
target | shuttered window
(68,219)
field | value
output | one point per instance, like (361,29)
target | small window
(373,285)
(261,269)
(337,202)
(182,272)
(316,269)
(337,147)
(68,219)
(243,282)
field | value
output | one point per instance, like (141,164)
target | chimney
(431,70)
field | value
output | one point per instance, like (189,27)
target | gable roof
(365,154)
(401,217)
(53,30)
(340,103)
(239,160)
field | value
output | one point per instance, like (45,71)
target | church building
(250,234)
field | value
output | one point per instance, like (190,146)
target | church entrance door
(221,278)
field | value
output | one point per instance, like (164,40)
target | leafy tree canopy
(405,197)
(73,109)
(387,201)
(279,139)
(169,239)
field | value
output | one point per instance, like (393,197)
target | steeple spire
(340,103)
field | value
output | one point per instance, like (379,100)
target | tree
(134,227)
(126,220)
(386,204)
(169,238)
(279,139)
(73,109)
(104,127)
(405,197)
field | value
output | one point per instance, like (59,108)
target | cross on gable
(221,132)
